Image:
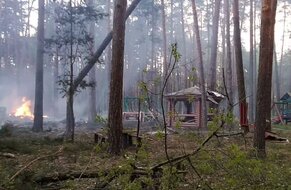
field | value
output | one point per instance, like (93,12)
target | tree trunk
(201,68)
(238,59)
(70,118)
(228,56)
(100,50)
(55,85)
(276,72)
(108,55)
(116,82)
(255,61)
(214,40)
(38,103)
(164,33)
(265,75)
(279,70)
(251,65)
(92,75)
(184,53)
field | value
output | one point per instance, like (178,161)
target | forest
(145,94)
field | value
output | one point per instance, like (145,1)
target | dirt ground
(223,163)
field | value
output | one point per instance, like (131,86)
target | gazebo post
(199,118)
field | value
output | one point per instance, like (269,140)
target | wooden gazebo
(184,106)
(283,107)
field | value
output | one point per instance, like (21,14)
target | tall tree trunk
(276,72)
(251,66)
(116,82)
(214,40)
(100,49)
(164,33)
(278,83)
(271,52)
(92,75)
(70,118)
(201,68)
(108,53)
(38,103)
(228,55)
(55,82)
(265,74)
(255,60)
(238,59)
(172,22)
(184,54)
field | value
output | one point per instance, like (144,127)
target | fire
(24,110)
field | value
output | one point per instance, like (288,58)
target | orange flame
(25,109)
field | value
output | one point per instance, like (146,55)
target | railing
(184,120)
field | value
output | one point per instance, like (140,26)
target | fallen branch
(66,176)
(91,157)
(7,155)
(82,175)
(33,161)
(229,134)
(183,157)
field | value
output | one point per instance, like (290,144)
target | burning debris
(24,111)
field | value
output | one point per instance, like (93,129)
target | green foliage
(178,124)
(72,148)
(170,179)
(160,135)
(100,119)
(15,145)
(6,130)
(191,99)
(193,75)
(175,52)
(72,38)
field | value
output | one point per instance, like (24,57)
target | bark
(38,103)
(214,40)
(92,76)
(92,96)
(100,50)
(269,77)
(108,54)
(116,82)
(55,85)
(172,22)
(278,86)
(238,57)
(201,68)
(164,33)
(276,72)
(184,54)
(251,66)
(153,23)
(255,61)
(265,75)
(228,55)
(70,118)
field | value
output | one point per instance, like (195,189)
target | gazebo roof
(286,96)
(195,91)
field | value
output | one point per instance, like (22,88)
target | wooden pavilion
(184,106)
(283,107)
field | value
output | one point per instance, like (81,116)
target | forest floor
(44,161)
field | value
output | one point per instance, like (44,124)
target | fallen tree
(136,172)
(78,80)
